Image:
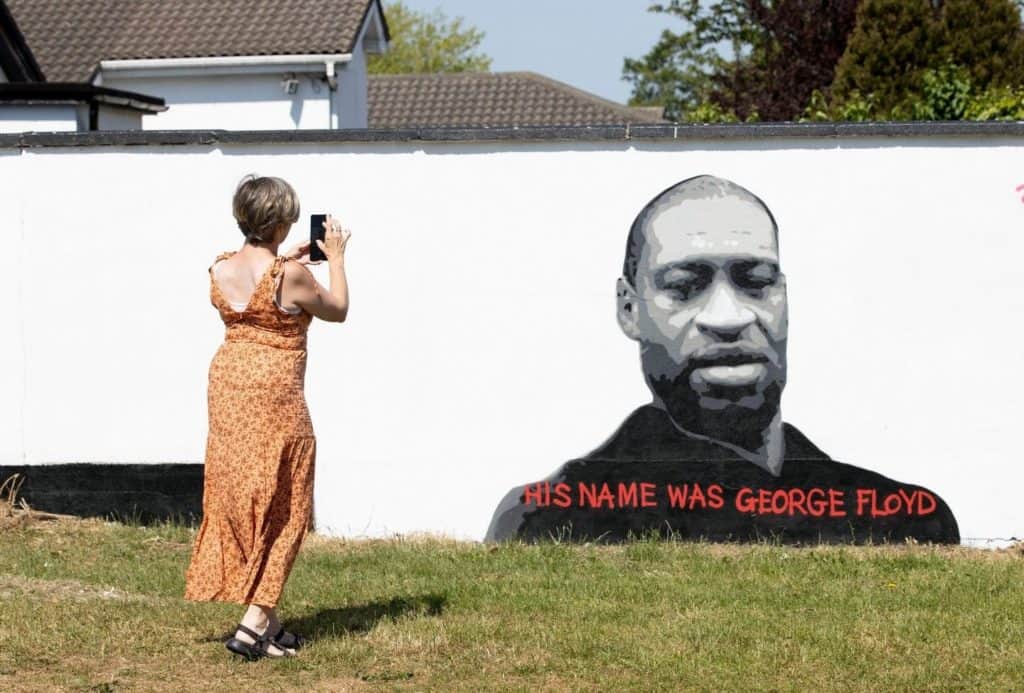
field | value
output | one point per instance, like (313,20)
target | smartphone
(316,232)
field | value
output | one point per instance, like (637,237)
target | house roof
(70,37)
(16,59)
(490,99)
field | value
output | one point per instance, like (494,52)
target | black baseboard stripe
(143,493)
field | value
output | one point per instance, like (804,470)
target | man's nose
(724,314)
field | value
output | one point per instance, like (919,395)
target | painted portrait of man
(703,294)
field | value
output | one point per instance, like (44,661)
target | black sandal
(293,641)
(258,649)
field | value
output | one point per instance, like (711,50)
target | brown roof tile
(490,99)
(70,37)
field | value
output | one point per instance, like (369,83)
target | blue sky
(582,42)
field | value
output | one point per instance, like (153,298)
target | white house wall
(113,118)
(482,349)
(353,86)
(38,118)
(234,102)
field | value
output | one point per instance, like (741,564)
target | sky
(581,42)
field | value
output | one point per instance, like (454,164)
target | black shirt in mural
(652,478)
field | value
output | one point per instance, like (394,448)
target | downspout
(332,87)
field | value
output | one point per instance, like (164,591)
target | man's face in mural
(708,307)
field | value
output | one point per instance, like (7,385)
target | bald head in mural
(703,295)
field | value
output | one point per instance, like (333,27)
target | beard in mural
(703,294)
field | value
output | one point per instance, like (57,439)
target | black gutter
(81,92)
(599,133)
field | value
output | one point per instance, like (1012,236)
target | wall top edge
(599,133)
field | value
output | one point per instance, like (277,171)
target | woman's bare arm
(305,291)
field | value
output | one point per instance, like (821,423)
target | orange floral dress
(260,451)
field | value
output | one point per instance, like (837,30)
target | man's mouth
(730,366)
(729,358)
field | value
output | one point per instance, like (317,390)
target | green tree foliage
(922,58)
(429,42)
(947,93)
(997,103)
(710,112)
(855,108)
(741,58)
(679,70)
(985,36)
(891,46)
(834,60)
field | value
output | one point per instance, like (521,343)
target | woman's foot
(272,649)
(283,638)
(256,633)
(290,641)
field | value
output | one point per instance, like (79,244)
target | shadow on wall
(296,110)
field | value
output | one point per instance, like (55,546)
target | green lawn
(88,605)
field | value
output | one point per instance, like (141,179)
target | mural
(703,294)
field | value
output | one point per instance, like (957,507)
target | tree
(747,58)
(803,40)
(947,93)
(985,37)
(677,73)
(904,52)
(429,42)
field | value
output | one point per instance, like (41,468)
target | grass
(87,605)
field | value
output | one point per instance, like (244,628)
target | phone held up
(316,232)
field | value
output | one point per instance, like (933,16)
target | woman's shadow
(360,618)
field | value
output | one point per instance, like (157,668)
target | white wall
(112,118)
(232,102)
(481,349)
(38,118)
(351,98)
(12,266)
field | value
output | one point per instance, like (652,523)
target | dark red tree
(801,41)
(749,56)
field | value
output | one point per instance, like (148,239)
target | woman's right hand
(335,240)
(302,288)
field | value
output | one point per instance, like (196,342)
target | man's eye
(755,277)
(684,289)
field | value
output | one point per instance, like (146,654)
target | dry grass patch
(16,586)
(15,512)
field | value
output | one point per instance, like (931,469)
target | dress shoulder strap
(223,256)
(277,273)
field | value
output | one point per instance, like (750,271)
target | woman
(260,452)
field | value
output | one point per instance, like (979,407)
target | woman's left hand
(301,253)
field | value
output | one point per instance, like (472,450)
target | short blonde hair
(262,204)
